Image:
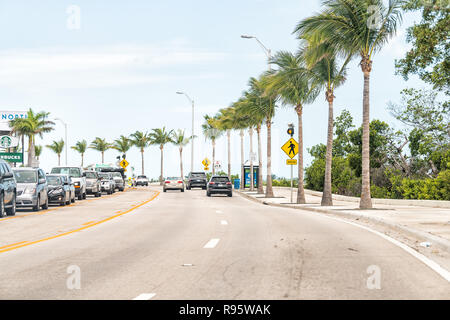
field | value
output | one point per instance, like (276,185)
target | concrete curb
(420,235)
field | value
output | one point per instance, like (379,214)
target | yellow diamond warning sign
(290,148)
(124,163)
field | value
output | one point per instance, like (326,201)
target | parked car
(58,189)
(67,179)
(93,183)
(118,179)
(142,181)
(8,190)
(76,173)
(32,188)
(173,183)
(107,182)
(219,185)
(196,180)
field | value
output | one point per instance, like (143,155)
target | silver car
(107,182)
(32,188)
(173,183)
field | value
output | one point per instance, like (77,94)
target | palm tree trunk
(260,182)
(82,160)
(269,190)
(30,151)
(300,188)
(366,201)
(59,159)
(103,157)
(229,153)
(142,161)
(327,198)
(241,133)
(252,180)
(213,141)
(162,165)
(181,163)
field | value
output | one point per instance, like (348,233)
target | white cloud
(397,46)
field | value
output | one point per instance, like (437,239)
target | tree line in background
(372,158)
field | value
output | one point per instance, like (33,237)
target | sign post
(291,149)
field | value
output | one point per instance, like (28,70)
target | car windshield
(198,175)
(91,175)
(173,178)
(103,175)
(142,177)
(73,172)
(25,176)
(54,181)
(220,179)
(117,175)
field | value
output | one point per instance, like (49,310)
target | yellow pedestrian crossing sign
(206,162)
(290,148)
(124,163)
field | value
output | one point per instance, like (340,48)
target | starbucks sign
(8,142)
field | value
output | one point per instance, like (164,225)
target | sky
(115,67)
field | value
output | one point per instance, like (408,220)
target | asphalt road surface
(150,245)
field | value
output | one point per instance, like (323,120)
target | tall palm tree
(141,140)
(263,106)
(161,137)
(81,147)
(100,145)
(212,132)
(123,145)
(292,82)
(323,60)
(34,124)
(37,151)
(180,140)
(353,29)
(225,122)
(57,147)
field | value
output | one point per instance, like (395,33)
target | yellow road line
(14,244)
(26,243)
(85,224)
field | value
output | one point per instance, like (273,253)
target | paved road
(146,242)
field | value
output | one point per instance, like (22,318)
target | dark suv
(8,190)
(197,180)
(219,185)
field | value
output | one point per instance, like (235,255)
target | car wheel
(63,201)
(2,207)
(80,197)
(230,194)
(182,190)
(12,211)
(164,190)
(68,200)
(84,196)
(204,188)
(37,207)
(208,194)
(45,205)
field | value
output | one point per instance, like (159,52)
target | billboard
(6,116)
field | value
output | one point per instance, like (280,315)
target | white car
(142,181)
(173,183)
(78,178)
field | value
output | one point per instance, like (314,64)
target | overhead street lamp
(192,136)
(267,51)
(65,142)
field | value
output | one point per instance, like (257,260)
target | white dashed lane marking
(211,244)
(145,296)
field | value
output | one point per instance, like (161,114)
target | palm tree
(352,28)
(161,137)
(322,58)
(141,140)
(225,122)
(100,145)
(37,151)
(211,132)
(180,140)
(263,107)
(34,124)
(81,147)
(123,144)
(292,82)
(57,147)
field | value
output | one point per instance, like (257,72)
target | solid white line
(430,263)
(145,296)
(218,211)
(224,222)
(211,244)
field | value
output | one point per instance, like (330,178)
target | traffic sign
(206,162)
(206,168)
(124,163)
(291,162)
(290,148)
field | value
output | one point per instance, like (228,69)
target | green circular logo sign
(5,142)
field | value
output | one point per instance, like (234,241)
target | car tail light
(211,183)
(180,181)
(167,181)
(228,183)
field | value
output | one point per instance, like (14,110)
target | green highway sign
(11,157)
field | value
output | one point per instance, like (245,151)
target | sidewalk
(424,223)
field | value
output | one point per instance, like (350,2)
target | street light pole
(65,129)
(192,136)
